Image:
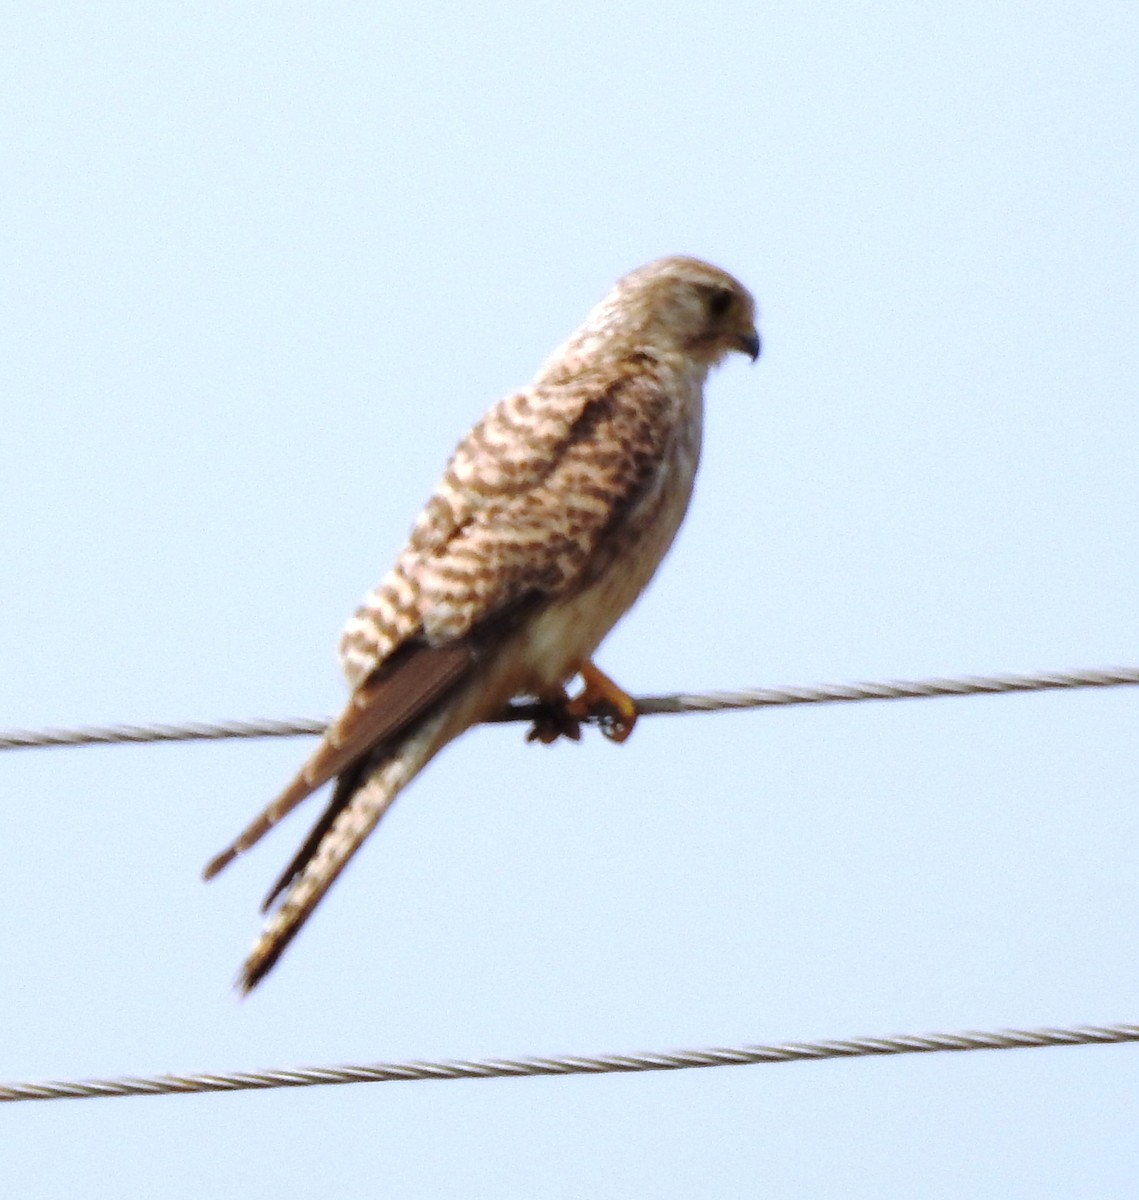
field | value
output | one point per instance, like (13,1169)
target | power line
(676,1060)
(192,731)
(679,702)
(604,1064)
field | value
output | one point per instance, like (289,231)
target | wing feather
(523,513)
(552,537)
(523,505)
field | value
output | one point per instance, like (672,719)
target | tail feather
(382,708)
(336,837)
(346,787)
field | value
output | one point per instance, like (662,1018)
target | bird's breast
(569,628)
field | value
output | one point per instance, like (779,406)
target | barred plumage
(549,520)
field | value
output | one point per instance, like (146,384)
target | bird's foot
(600,700)
(554,721)
(603,701)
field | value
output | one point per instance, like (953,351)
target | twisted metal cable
(677,1060)
(191,731)
(680,702)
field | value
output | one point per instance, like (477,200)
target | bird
(550,519)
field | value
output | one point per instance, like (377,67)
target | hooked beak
(749,343)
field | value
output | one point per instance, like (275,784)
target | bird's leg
(600,698)
(554,720)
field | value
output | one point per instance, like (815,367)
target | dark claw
(552,723)
(612,724)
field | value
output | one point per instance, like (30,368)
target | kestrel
(550,519)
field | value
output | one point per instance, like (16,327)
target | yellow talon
(600,698)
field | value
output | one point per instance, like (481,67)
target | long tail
(336,840)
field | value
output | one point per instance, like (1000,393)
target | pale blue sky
(262,266)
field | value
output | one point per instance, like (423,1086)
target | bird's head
(686,305)
(676,306)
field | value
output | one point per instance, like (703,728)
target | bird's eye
(719,301)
